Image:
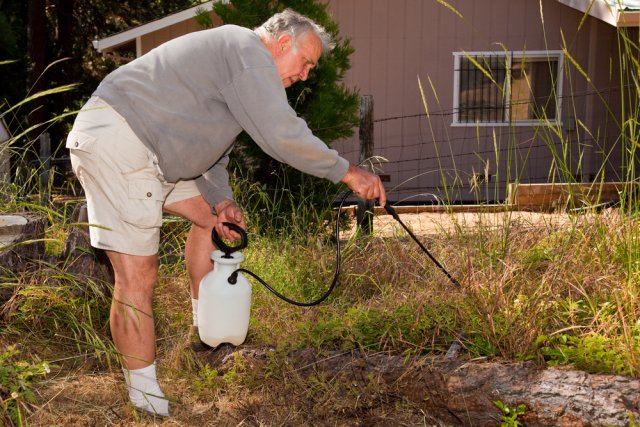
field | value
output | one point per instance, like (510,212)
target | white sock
(194,311)
(144,390)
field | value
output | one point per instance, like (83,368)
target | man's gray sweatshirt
(189,98)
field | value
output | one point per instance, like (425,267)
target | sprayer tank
(224,309)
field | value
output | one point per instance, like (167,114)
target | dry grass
(521,280)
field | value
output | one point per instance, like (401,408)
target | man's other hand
(229,211)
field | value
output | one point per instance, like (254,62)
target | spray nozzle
(220,244)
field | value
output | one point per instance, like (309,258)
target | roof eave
(597,9)
(125,37)
(605,12)
(629,18)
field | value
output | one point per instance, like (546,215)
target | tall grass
(567,295)
(46,313)
(286,209)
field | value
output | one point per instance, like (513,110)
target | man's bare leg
(131,308)
(132,328)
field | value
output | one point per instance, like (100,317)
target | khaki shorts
(123,184)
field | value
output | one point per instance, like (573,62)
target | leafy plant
(17,379)
(510,414)
(208,379)
(593,353)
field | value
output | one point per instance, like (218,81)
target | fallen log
(464,393)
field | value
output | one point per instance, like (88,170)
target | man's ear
(285,42)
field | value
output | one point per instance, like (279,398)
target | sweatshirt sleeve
(258,101)
(214,183)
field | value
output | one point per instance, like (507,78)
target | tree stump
(463,393)
(21,237)
(21,244)
(81,259)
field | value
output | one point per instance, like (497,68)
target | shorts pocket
(145,203)
(81,141)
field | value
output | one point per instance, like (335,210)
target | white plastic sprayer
(224,305)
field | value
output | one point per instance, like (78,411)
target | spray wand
(395,216)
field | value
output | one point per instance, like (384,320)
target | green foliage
(593,353)
(208,379)
(627,252)
(234,376)
(298,211)
(403,328)
(509,414)
(329,108)
(17,378)
(203,18)
(481,346)
(57,306)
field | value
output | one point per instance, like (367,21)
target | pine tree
(329,108)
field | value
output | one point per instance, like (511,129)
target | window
(492,88)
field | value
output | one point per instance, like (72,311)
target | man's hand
(365,184)
(228,211)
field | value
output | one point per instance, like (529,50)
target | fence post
(364,211)
(45,163)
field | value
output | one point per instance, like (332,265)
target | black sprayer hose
(234,276)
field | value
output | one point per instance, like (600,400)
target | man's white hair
(292,23)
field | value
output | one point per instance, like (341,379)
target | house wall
(156,38)
(402,43)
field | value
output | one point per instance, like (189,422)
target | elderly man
(155,137)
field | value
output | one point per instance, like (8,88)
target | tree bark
(21,237)
(463,393)
(21,244)
(65,26)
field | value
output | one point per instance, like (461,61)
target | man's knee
(134,273)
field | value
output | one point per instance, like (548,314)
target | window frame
(509,57)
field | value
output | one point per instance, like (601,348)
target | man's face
(295,61)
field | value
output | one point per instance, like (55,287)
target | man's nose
(304,74)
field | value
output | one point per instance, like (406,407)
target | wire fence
(426,158)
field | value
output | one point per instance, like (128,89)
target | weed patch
(18,379)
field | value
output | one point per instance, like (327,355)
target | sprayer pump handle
(228,250)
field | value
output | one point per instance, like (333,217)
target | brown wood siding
(156,38)
(398,41)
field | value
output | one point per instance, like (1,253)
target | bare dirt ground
(431,223)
